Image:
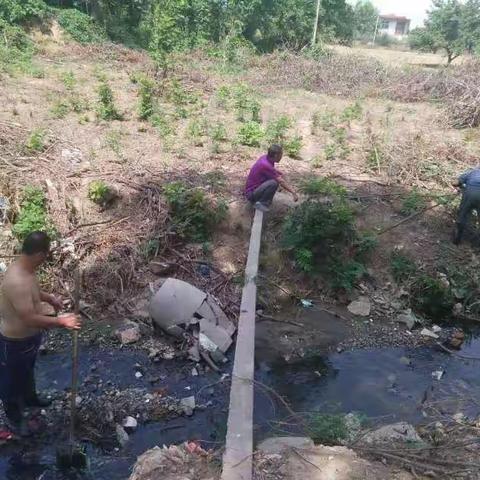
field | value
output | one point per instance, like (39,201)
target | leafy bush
(194,216)
(81,27)
(245,103)
(17,11)
(402,267)
(277,130)
(218,132)
(414,202)
(16,49)
(60,109)
(36,140)
(106,109)
(352,112)
(196,130)
(432,298)
(99,192)
(327,429)
(69,81)
(146,107)
(293,146)
(323,186)
(32,215)
(324,120)
(251,134)
(163,125)
(344,275)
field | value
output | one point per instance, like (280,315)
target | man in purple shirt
(264,179)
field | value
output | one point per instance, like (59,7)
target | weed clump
(251,134)
(432,298)
(81,27)
(402,267)
(36,140)
(106,109)
(352,112)
(327,429)
(146,107)
(414,202)
(32,215)
(99,192)
(194,215)
(322,186)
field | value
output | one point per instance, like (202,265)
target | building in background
(394,26)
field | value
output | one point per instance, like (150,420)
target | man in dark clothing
(22,322)
(264,179)
(469,182)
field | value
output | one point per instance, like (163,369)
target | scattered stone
(188,405)
(360,307)
(122,435)
(405,361)
(436,329)
(438,374)
(428,333)
(277,445)
(408,318)
(78,400)
(457,309)
(129,424)
(459,417)
(456,339)
(138,375)
(129,333)
(397,432)
(72,155)
(444,280)
(194,372)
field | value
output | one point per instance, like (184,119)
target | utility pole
(376,30)
(315,27)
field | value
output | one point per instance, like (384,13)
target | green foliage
(36,140)
(16,50)
(375,157)
(323,120)
(327,429)
(32,215)
(106,109)
(196,129)
(113,140)
(403,268)
(345,274)
(218,132)
(146,106)
(18,11)
(293,146)
(414,202)
(364,245)
(80,26)
(352,112)
(245,103)
(431,298)
(69,81)
(251,134)
(277,130)
(163,124)
(98,192)
(60,109)
(330,151)
(384,40)
(323,187)
(194,216)
(365,15)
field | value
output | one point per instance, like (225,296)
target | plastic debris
(438,374)
(306,303)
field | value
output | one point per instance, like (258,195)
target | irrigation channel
(378,384)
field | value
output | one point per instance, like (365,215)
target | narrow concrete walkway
(237,460)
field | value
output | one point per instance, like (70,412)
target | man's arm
(52,300)
(284,184)
(20,297)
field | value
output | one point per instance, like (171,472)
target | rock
(457,309)
(72,155)
(188,405)
(436,329)
(397,432)
(360,307)
(459,417)
(129,333)
(161,268)
(428,333)
(194,372)
(138,375)
(78,400)
(405,361)
(129,424)
(456,339)
(122,435)
(277,445)
(444,280)
(408,318)
(438,374)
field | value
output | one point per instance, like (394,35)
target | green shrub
(163,124)
(16,49)
(345,275)
(293,146)
(330,152)
(106,109)
(431,298)
(324,120)
(194,216)
(352,112)
(32,215)
(99,192)
(245,103)
(196,130)
(402,267)
(223,96)
(277,130)
(36,140)
(60,109)
(219,132)
(327,429)
(113,140)
(146,107)
(251,134)
(69,81)
(375,157)
(323,186)
(80,27)
(414,202)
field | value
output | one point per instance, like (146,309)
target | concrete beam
(237,460)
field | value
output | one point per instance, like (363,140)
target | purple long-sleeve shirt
(262,170)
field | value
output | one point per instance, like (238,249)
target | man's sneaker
(261,206)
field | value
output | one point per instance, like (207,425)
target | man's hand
(70,321)
(55,302)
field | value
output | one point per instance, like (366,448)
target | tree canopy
(365,19)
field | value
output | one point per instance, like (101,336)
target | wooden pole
(315,27)
(376,30)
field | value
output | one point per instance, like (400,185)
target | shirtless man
(21,325)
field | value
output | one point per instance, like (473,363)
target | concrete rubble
(397,432)
(408,318)
(360,307)
(128,333)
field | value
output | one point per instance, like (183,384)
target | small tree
(365,15)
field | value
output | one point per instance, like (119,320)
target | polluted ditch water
(34,459)
(386,385)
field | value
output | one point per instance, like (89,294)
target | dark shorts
(17,365)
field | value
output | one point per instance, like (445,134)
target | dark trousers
(470,201)
(17,373)
(265,192)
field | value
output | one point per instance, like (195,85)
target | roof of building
(394,17)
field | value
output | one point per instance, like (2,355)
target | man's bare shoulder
(17,278)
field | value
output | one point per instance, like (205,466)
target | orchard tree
(365,19)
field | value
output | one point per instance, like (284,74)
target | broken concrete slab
(408,318)
(278,445)
(397,432)
(360,307)
(428,333)
(178,304)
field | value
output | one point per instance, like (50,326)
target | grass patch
(36,141)
(32,215)
(414,202)
(321,186)
(327,429)
(352,112)
(81,27)
(194,215)
(402,267)
(99,192)
(106,109)
(431,298)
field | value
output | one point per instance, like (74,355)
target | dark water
(37,461)
(374,383)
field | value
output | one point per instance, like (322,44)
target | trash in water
(306,303)
(438,374)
